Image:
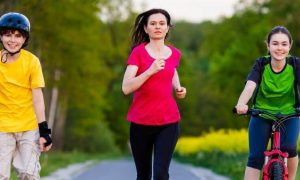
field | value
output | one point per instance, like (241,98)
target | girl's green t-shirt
(276,91)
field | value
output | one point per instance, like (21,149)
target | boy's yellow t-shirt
(17,79)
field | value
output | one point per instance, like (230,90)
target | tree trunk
(53,102)
(59,124)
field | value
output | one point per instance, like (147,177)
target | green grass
(230,165)
(55,160)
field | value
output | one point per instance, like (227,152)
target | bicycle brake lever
(254,112)
(279,116)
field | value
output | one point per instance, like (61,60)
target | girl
(273,81)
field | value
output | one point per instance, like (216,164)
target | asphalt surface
(124,169)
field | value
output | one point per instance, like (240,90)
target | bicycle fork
(275,155)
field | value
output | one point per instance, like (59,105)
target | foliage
(218,58)
(68,40)
(86,134)
(88,43)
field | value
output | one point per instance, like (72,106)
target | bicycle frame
(275,167)
(275,155)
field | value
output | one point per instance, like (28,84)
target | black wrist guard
(45,132)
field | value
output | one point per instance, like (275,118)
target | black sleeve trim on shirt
(296,65)
(257,69)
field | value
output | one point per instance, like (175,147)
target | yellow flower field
(227,141)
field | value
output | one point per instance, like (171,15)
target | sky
(190,10)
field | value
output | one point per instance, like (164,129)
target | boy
(24,133)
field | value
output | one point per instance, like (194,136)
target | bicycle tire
(276,171)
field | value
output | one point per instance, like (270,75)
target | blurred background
(83,46)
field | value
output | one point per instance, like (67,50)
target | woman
(273,80)
(151,75)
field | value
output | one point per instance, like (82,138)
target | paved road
(124,170)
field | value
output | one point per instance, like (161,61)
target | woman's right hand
(241,108)
(156,66)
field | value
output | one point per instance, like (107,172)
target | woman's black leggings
(159,140)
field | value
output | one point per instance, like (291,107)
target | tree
(68,41)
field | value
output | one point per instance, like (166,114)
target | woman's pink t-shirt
(153,103)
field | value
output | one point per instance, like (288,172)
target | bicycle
(275,166)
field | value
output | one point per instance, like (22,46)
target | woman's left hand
(180,92)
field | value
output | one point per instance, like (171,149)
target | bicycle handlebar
(277,118)
(258,112)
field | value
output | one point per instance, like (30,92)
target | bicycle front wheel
(276,171)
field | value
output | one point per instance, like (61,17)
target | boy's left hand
(45,140)
(44,148)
